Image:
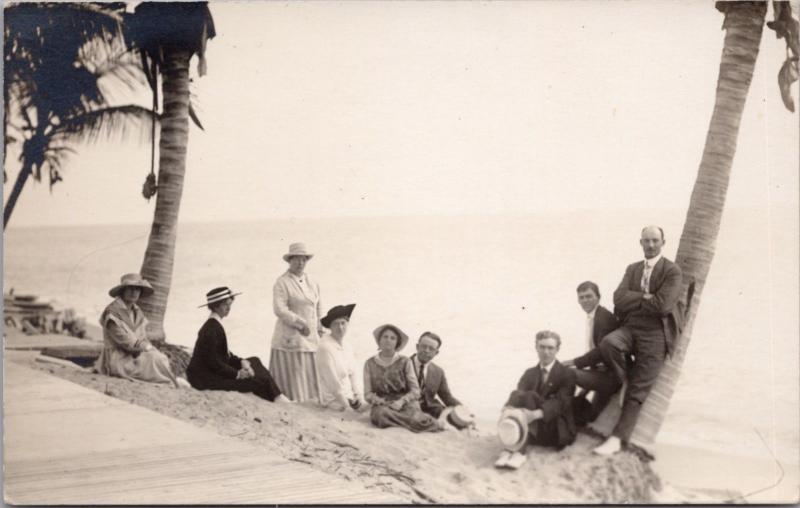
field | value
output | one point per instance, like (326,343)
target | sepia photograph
(385,253)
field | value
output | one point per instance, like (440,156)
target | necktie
(421,376)
(646,278)
(542,381)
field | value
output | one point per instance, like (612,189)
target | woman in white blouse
(296,302)
(336,363)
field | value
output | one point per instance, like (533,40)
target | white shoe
(283,399)
(516,460)
(502,461)
(182,383)
(611,446)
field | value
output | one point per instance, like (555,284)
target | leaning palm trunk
(743,24)
(19,184)
(158,258)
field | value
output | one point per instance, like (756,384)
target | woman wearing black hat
(214,367)
(339,387)
(126,351)
(391,385)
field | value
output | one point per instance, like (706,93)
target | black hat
(340,311)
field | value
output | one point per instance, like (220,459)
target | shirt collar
(590,315)
(301,278)
(417,363)
(652,261)
(549,367)
(216,316)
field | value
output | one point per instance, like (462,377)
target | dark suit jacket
(557,427)
(211,357)
(435,385)
(604,323)
(665,286)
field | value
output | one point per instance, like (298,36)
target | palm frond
(109,122)
(193,116)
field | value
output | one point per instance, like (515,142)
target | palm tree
(167,36)
(54,57)
(744,22)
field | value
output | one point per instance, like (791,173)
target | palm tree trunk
(743,24)
(19,183)
(160,253)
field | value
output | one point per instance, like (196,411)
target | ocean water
(486,284)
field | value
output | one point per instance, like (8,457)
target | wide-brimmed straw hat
(297,249)
(458,416)
(398,331)
(512,430)
(339,311)
(218,295)
(131,280)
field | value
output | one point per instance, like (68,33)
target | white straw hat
(131,280)
(513,430)
(297,249)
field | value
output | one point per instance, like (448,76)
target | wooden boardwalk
(65,444)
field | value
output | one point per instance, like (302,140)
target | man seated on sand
(539,411)
(214,367)
(435,398)
(592,374)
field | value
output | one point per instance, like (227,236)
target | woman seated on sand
(127,353)
(338,384)
(391,386)
(214,367)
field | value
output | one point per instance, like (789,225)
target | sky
(338,109)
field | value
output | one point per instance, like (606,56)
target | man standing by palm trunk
(647,303)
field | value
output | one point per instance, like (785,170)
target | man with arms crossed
(647,303)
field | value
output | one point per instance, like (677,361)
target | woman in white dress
(339,386)
(296,302)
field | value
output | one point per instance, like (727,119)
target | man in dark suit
(544,393)
(436,394)
(214,367)
(647,303)
(592,375)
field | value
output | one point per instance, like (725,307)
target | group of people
(310,359)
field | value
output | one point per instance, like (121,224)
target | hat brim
(220,300)
(288,255)
(403,337)
(341,311)
(517,419)
(116,290)
(459,417)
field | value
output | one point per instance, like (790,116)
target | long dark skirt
(261,384)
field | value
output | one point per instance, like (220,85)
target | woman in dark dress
(214,367)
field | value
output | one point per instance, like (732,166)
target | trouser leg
(615,348)
(434,409)
(603,383)
(650,352)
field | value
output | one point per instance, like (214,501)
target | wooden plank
(55,454)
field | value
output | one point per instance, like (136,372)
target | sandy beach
(445,467)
